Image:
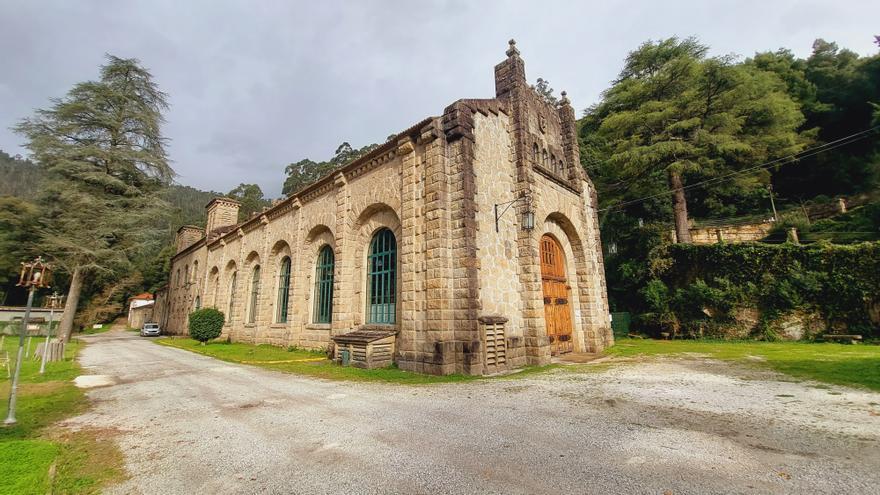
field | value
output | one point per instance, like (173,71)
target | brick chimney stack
(187,236)
(222,212)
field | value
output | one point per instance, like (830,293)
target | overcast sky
(255,85)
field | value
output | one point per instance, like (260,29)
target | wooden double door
(557,303)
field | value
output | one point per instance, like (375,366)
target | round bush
(205,324)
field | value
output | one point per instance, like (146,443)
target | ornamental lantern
(35,274)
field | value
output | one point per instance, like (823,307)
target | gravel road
(190,424)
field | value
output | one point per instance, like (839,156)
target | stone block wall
(435,186)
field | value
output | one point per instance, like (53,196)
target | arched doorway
(557,309)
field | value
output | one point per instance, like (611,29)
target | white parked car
(150,330)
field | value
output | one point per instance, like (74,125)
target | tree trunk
(65,327)
(679,208)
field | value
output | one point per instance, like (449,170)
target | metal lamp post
(54,302)
(34,275)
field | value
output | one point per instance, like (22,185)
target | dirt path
(191,424)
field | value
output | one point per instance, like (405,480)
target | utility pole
(772,203)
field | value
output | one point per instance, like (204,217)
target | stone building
(470,239)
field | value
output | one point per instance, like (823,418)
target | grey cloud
(256,85)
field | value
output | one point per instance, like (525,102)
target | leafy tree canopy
(304,172)
(104,160)
(251,198)
(675,115)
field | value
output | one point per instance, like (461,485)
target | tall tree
(304,172)
(251,198)
(542,86)
(104,156)
(675,113)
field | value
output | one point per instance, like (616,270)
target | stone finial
(564,99)
(512,51)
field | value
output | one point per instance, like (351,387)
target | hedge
(706,282)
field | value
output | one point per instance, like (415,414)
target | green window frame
(283,291)
(255,295)
(382,278)
(232,281)
(324,286)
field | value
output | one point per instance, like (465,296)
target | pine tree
(105,165)
(674,113)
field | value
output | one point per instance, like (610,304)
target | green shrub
(205,324)
(835,281)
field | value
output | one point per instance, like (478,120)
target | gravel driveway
(190,424)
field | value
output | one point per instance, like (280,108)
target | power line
(838,143)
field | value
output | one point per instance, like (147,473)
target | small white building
(140,310)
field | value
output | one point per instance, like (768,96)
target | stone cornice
(373,159)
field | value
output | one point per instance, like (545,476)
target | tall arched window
(231,297)
(283,291)
(177,278)
(553,163)
(382,278)
(186,275)
(544,159)
(198,304)
(324,286)
(195,271)
(255,295)
(535,153)
(215,287)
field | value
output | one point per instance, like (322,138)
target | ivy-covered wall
(762,290)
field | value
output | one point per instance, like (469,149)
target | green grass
(315,364)
(854,365)
(91,331)
(83,461)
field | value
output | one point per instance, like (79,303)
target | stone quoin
(404,240)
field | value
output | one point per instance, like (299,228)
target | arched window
(553,162)
(382,278)
(544,158)
(255,295)
(215,287)
(198,303)
(186,275)
(561,167)
(283,291)
(231,297)
(535,153)
(195,272)
(324,286)
(177,278)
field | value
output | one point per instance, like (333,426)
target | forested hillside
(683,137)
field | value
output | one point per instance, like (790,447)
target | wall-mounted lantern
(528,214)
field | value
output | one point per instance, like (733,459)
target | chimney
(187,236)
(222,212)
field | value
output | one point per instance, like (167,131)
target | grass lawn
(91,330)
(855,365)
(81,462)
(314,364)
